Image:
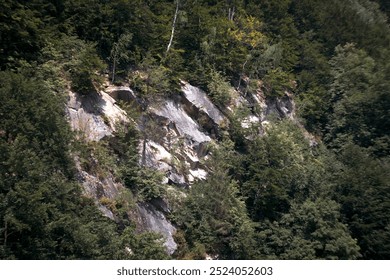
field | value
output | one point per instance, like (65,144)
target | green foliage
(363,191)
(152,80)
(311,230)
(96,158)
(119,53)
(385,6)
(351,68)
(148,184)
(319,23)
(144,246)
(31,110)
(361,105)
(70,58)
(20,33)
(183,252)
(326,17)
(262,61)
(219,89)
(214,215)
(280,168)
(313,63)
(287,185)
(85,70)
(277,82)
(43,213)
(236,132)
(313,106)
(144,182)
(336,50)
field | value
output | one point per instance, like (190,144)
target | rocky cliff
(176,134)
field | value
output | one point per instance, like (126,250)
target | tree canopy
(269,195)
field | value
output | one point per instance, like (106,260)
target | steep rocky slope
(176,134)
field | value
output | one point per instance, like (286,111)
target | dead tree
(173,26)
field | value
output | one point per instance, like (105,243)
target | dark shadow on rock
(91,102)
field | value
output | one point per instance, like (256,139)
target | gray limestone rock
(199,100)
(121,93)
(150,219)
(94,115)
(185,125)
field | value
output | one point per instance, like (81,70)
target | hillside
(184,129)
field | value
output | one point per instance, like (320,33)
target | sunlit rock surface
(157,156)
(151,219)
(94,115)
(175,134)
(199,100)
(182,122)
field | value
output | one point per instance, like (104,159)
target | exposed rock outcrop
(121,93)
(176,118)
(282,107)
(199,107)
(93,115)
(151,219)
(175,135)
(188,125)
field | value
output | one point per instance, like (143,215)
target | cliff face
(176,133)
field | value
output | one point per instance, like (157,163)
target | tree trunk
(143,160)
(114,54)
(113,71)
(231,14)
(5,233)
(240,79)
(173,26)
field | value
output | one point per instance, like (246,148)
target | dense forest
(270,196)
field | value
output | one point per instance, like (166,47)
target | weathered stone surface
(196,100)
(248,121)
(177,179)
(94,115)
(283,107)
(84,120)
(280,107)
(111,110)
(185,125)
(150,219)
(121,93)
(197,174)
(161,204)
(156,156)
(98,187)
(106,212)
(175,135)
(181,143)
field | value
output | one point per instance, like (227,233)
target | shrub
(219,89)
(276,82)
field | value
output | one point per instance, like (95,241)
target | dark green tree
(214,214)
(280,168)
(363,191)
(311,230)
(360,101)
(43,213)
